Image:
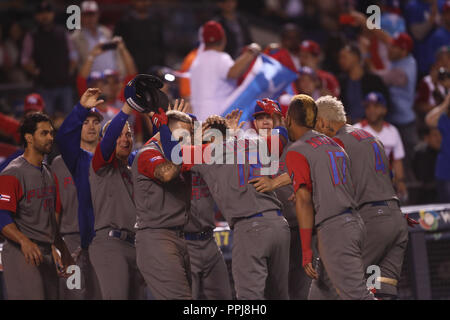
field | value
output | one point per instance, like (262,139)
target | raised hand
(89,99)
(232,120)
(179,105)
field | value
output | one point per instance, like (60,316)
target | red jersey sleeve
(10,193)
(299,170)
(10,126)
(81,85)
(339,142)
(58,205)
(98,162)
(148,161)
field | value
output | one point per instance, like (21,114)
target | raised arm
(69,134)
(152,164)
(107,145)
(243,61)
(432,117)
(267,184)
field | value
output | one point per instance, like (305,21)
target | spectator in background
(433,88)
(236,28)
(375,110)
(112,86)
(13,50)
(48,55)
(90,35)
(424,165)
(392,23)
(287,53)
(310,57)
(356,83)
(214,73)
(309,83)
(10,126)
(440,117)
(401,79)
(143,35)
(441,36)
(422,18)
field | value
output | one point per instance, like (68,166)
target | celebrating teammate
(387,234)
(299,282)
(318,167)
(27,217)
(260,232)
(208,269)
(113,252)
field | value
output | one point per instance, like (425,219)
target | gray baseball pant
(24,281)
(340,244)
(385,245)
(163,259)
(208,270)
(90,288)
(114,262)
(260,257)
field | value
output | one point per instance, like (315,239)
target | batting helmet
(303,110)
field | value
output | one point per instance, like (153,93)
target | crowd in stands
(394,81)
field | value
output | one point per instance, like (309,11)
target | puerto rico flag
(268,78)
(4,197)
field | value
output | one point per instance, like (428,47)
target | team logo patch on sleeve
(5,197)
(155,158)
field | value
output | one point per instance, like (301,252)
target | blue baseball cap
(375,97)
(258,110)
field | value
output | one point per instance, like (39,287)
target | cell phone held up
(112,45)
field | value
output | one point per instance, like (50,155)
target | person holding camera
(440,117)
(90,36)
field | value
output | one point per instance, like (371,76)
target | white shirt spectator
(210,86)
(390,138)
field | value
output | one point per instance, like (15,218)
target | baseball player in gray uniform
(28,220)
(299,282)
(67,216)
(387,234)
(208,269)
(112,251)
(318,168)
(260,250)
(162,195)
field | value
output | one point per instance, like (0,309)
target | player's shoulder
(151,148)
(57,162)
(16,168)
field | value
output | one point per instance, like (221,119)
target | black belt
(122,235)
(260,214)
(196,236)
(179,230)
(383,203)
